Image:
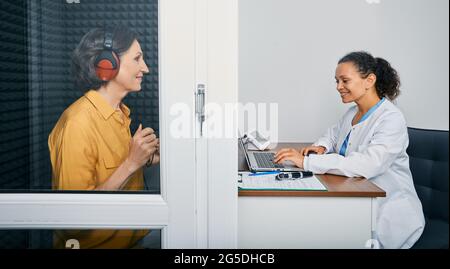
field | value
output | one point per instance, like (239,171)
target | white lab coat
(377,151)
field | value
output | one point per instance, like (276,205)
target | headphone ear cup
(107,65)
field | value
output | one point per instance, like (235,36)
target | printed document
(247,181)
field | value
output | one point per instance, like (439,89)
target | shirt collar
(125,109)
(103,106)
(371,110)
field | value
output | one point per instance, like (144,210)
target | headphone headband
(108,42)
(107,63)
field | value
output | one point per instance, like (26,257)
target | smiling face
(132,68)
(350,84)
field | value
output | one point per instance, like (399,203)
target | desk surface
(337,186)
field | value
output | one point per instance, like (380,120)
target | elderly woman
(91,147)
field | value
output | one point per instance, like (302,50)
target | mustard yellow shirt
(87,144)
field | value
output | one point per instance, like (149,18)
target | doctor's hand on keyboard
(289,154)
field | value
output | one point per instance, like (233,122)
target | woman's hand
(289,154)
(316,149)
(142,146)
(155,158)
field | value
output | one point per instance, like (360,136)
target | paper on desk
(268,182)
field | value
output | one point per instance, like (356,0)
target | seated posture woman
(370,141)
(91,147)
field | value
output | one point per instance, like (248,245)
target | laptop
(262,161)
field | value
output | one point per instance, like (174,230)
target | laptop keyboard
(265,160)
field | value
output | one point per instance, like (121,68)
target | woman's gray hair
(90,46)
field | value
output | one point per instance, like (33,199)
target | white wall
(288,50)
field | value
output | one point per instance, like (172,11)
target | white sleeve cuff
(306,163)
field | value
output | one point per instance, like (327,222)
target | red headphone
(107,64)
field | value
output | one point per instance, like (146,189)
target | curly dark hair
(90,46)
(388,81)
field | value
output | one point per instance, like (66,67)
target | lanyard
(363,118)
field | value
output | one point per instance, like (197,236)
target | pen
(263,173)
(294,175)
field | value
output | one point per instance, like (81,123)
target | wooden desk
(341,217)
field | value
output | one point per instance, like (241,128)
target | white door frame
(217,68)
(222,91)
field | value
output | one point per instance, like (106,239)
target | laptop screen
(242,156)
